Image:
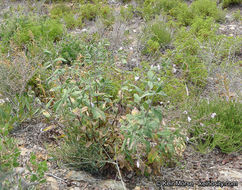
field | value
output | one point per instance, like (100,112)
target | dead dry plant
(15,72)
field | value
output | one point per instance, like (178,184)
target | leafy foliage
(217,124)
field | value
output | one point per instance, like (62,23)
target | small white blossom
(187,139)
(136,78)
(158,67)
(92,104)
(174,70)
(121,48)
(84,30)
(158,79)
(137,163)
(161,103)
(202,124)
(189,119)
(213,115)
(185,112)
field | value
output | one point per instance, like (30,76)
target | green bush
(106,13)
(89,11)
(152,46)
(47,30)
(64,12)
(59,10)
(127,12)
(204,28)
(26,33)
(151,8)
(183,14)
(160,34)
(69,50)
(95,100)
(217,123)
(237,15)
(207,8)
(227,3)
(174,89)
(156,36)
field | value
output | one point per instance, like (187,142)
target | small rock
(53,183)
(137,188)
(19,170)
(80,176)
(130,175)
(75,188)
(231,174)
(111,184)
(84,30)
(232,27)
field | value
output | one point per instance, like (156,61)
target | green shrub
(59,11)
(174,89)
(71,22)
(93,101)
(217,124)
(160,33)
(152,46)
(89,11)
(203,28)
(26,33)
(9,153)
(183,14)
(186,57)
(156,36)
(237,15)
(207,8)
(64,12)
(227,3)
(106,13)
(144,123)
(127,12)
(155,7)
(69,50)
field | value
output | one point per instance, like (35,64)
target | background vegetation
(116,115)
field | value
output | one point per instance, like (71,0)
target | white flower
(158,67)
(185,112)
(158,79)
(137,163)
(84,30)
(187,139)
(174,70)
(189,119)
(202,124)
(136,78)
(213,115)
(92,104)
(161,103)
